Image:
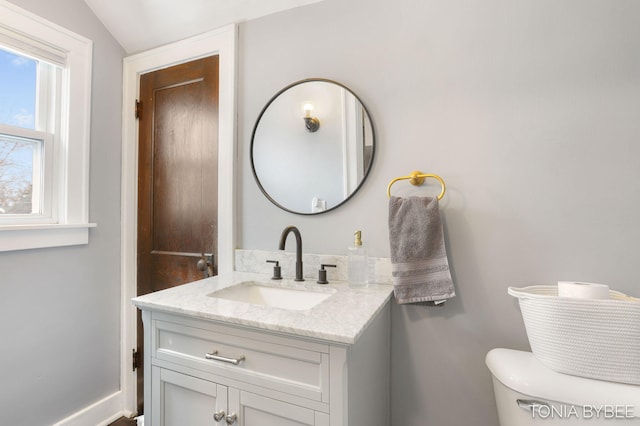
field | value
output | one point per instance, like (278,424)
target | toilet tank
(528,393)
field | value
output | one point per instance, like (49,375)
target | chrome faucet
(283,239)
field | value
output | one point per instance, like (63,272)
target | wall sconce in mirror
(312,178)
(312,123)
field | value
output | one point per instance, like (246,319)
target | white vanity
(319,359)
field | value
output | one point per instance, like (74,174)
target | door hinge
(135,363)
(138,109)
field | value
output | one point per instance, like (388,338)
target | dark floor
(122,421)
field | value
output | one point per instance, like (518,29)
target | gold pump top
(358,238)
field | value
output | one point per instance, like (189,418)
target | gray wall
(60,307)
(529,110)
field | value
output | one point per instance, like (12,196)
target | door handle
(205,264)
(231,418)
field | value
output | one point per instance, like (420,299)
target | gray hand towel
(419,263)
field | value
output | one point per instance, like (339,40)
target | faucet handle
(322,273)
(277,273)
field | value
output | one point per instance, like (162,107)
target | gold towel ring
(417,178)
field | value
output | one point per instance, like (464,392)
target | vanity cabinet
(205,372)
(188,400)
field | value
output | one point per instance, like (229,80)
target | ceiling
(140,25)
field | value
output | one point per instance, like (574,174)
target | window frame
(71,156)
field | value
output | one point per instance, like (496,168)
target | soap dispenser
(358,269)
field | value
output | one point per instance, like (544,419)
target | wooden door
(177,178)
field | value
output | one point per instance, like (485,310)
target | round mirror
(312,146)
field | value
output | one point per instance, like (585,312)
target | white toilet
(528,393)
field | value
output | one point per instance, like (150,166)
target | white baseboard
(100,413)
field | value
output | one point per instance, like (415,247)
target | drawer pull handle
(214,355)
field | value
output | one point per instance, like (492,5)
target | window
(27,132)
(45,79)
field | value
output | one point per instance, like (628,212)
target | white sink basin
(257,293)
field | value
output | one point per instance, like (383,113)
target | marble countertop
(340,318)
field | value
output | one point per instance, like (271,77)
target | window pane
(18,76)
(19,164)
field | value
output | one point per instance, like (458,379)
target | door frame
(222,42)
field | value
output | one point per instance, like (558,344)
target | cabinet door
(257,410)
(180,400)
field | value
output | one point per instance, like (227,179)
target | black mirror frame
(255,128)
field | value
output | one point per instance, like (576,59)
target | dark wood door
(177,179)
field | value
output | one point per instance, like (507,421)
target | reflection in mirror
(312,146)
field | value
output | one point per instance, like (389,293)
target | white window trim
(73,225)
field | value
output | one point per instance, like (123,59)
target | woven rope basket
(598,339)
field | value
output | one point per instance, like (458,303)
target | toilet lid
(522,372)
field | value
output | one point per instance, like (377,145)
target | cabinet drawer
(284,364)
